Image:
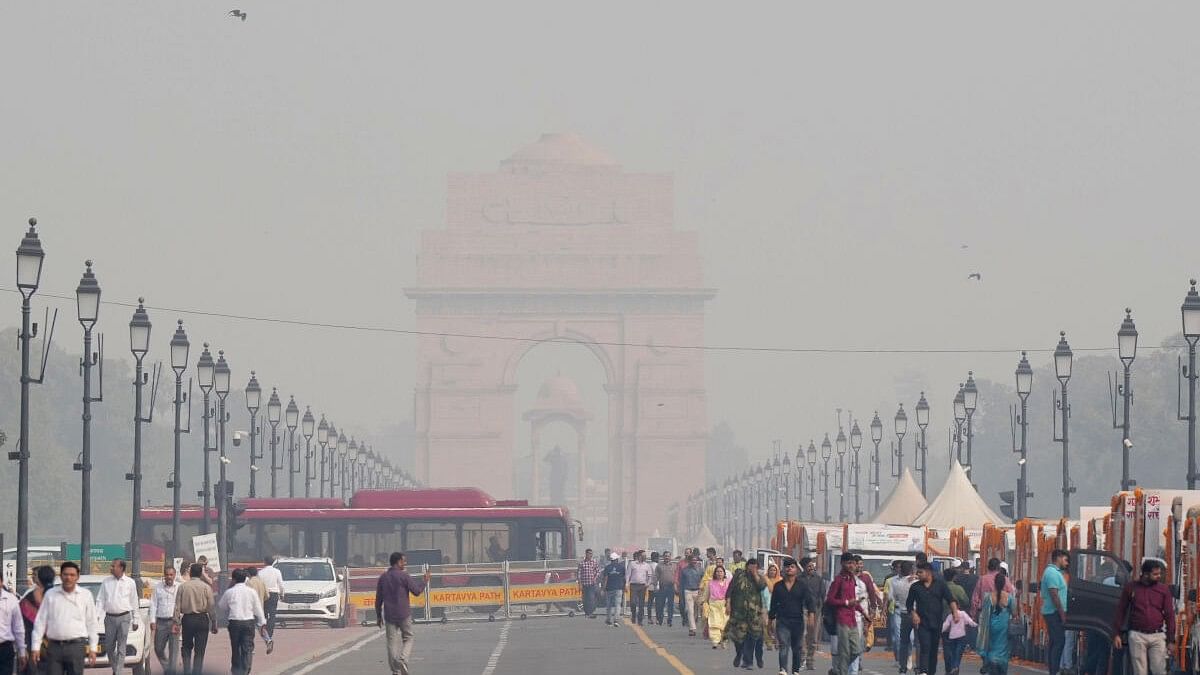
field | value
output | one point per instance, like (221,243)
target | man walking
(67,622)
(898,589)
(613,577)
(243,611)
(789,608)
(1053,590)
(196,615)
(640,573)
(162,626)
(588,573)
(843,598)
(926,600)
(12,633)
(272,578)
(393,611)
(689,589)
(664,600)
(1150,611)
(816,590)
(118,602)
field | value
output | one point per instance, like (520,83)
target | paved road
(560,645)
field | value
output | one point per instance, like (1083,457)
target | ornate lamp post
(960,416)
(1024,387)
(204,377)
(876,438)
(274,410)
(840,446)
(293,420)
(1127,337)
(179,363)
(30,257)
(856,446)
(334,476)
(139,345)
(970,401)
(342,446)
(812,480)
(1190,310)
(900,423)
(826,453)
(322,441)
(253,402)
(1062,369)
(352,455)
(307,424)
(87,302)
(786,475)
(922,424)
(221,382)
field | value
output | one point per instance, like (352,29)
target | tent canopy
(904,504)
(958,505)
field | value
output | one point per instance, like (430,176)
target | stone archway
(562,244)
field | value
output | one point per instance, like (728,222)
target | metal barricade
(478,591)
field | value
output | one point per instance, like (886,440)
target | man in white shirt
(243,610)
(12,633)
(117,602)
(67,620)
(273,579)
(640,575)
(163,626)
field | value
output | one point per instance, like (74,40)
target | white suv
(312,590)
(139,646)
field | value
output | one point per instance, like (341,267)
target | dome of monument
(559,392)
(559,150)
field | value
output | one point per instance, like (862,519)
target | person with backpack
(841,615)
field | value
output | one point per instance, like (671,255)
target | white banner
(886,538)
(206,545)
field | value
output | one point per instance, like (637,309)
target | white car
(312,590)
(139,647)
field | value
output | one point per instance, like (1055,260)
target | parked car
(312,590)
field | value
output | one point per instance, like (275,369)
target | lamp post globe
(1063,358)
(221,375)
(1127,339)
(139,331)
(1024,376)
(180,347)
(87,298)
(30,257)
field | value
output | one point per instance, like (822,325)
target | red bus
(434,526)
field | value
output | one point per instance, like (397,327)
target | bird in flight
(237,13)
(976,276)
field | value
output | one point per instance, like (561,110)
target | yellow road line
(668,656)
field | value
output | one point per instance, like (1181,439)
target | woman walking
(29,605)
(745,627)
(994,618)
(714,606)
(772,579)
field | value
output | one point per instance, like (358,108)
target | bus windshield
(305,571)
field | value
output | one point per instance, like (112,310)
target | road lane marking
(339,653)
(494,659)
(668,656)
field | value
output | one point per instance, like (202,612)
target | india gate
(562,244)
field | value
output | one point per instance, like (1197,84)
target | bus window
(549,545)
(372,542)
(277,539)
(485,542)
(433,536)
(160,536)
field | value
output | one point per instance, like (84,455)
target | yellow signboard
(473,596)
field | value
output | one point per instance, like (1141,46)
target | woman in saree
(714,606)
(994,618)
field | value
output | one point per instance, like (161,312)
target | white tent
(958,505)
(705,538)
(904,504)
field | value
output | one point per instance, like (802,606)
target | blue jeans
(894,634)
(952,650)
(1070,641)
(1057,640)
(613,608)
(789,637)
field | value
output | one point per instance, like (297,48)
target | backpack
(829,615)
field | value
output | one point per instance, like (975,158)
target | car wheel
(339,622)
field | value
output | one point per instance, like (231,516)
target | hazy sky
(835,159)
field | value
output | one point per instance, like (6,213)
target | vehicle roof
(328,560)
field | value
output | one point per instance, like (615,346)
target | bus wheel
(492,618)
(571,614)
(522,616)
(445,619)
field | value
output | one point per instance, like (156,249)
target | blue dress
(993,643)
